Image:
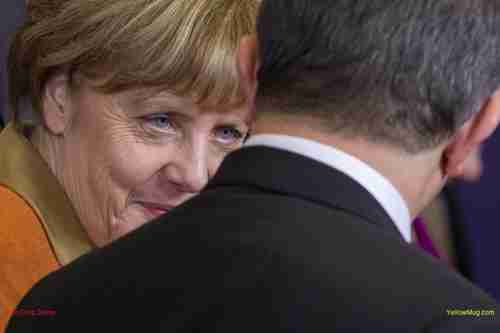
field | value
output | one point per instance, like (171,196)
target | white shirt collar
(376,184)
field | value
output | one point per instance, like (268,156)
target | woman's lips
(154,209)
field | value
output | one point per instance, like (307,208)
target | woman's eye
(158,121)
(228,135)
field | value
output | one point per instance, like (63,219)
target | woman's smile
(154,209)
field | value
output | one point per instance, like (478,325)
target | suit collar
(365,175)
(283,172)
(24,171)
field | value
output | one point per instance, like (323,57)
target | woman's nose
(188,171)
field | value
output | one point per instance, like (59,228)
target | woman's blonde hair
(187,46)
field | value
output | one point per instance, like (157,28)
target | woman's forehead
(157,98)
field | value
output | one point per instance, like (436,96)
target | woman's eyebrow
(136,104)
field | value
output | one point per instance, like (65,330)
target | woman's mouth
(154,210)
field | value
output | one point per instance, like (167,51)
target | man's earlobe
(470,136)
(455,155)
(56,104)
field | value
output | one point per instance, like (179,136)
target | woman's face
(130,157)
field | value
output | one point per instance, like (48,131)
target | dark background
(476,220)
(11,14)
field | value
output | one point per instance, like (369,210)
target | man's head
(414,76)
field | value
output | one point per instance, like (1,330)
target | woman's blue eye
(229,134)
(159,121)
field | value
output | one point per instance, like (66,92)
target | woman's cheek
(134,164)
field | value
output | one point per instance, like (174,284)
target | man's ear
(470,136)
(56,104)
(248,64)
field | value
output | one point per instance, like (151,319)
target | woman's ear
(56,104)
(247,59)
(470,136)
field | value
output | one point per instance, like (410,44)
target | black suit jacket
(277,243)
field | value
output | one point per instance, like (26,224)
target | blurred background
(11,15)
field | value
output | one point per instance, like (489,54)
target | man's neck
(416,177)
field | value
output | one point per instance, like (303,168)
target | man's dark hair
(403,72)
